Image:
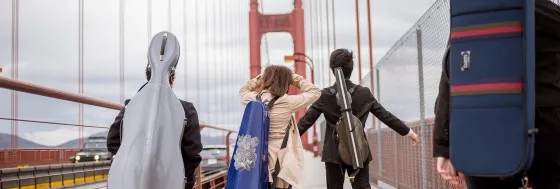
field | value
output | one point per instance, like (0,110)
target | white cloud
(54,137)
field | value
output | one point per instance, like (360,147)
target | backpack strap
(350,90)
(332,90)
(284,143)
(271,103)
(277,166)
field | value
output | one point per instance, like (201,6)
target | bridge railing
(10,158)
(397,163)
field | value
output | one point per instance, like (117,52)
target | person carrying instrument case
(338,157)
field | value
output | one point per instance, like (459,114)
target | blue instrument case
(492,73)
(248,168)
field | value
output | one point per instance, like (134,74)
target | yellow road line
(76,180)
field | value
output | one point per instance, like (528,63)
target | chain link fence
(406,83)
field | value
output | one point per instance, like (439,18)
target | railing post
(379,160)
(228,149)
(423,128)
(198,171)
(198,178)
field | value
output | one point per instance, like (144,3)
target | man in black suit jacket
(191,145)
(363,103)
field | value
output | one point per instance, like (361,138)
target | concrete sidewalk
(314,175)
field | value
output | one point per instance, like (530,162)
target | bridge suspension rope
(197,55)
(261,3)
(185,52)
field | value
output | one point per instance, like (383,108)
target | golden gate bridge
(220,40)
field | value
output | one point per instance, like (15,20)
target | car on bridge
(94,149)
(214,158)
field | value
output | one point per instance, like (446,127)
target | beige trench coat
(291,157)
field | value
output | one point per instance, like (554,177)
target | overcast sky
(215,64)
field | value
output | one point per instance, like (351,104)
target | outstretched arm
(191,145)
(387,117)
(310,116)
(114,135)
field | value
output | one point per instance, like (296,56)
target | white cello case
(150,155)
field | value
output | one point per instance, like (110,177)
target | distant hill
(5,142)
(206,140)
(75,143)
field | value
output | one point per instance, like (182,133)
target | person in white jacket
(274,82)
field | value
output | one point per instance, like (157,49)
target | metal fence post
(379,160)
(423,129)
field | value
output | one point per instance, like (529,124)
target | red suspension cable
(317,46)
(311,30)
(358,40)
(370,44)
(321,44)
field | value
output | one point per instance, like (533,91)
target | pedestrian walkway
(314,176)
(313,173)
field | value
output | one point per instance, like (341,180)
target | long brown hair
(276,79)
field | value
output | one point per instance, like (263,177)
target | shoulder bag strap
(332,89)
(271,103)
(277,166)
(352,89)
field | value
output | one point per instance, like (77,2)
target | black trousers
(270,186)
(189,182)
(336,172)
(545,170)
